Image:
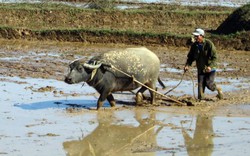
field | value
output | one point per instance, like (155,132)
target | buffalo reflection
(112,139)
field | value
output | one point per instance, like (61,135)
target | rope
(190,74)
(176,85)
(179,102)
(193,84)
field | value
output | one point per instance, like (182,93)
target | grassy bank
(145,19)
(150,25)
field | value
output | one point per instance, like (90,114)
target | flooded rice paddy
(45,116)
(37,121)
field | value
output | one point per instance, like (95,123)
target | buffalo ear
(104,68)
(74,64)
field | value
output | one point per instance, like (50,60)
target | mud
(41,115)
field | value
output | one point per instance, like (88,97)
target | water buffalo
(141,63)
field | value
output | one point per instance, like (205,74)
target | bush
(238,21)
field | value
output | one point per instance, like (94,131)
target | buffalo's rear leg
(152,94)
(111,100)
(139,95)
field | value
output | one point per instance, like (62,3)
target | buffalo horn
(90,66)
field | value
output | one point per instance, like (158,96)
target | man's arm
(212,61)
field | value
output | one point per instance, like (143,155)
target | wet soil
(33,101)
(42,115)
(50,60)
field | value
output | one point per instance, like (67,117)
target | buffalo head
(80,72)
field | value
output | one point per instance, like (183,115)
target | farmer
(204,53)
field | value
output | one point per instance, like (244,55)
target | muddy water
(47,117)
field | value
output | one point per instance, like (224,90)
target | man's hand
(208,69)
(186,68)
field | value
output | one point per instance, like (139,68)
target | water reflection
(112,138)
(201,144)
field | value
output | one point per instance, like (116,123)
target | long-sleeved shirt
(204,54)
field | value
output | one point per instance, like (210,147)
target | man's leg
(201,86)
(209,78)
(220,93)
(211,84)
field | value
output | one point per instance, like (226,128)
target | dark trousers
(205,80)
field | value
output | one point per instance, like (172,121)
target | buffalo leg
(152,93)
(139,98)
(111,100)
(142,89)
(139,95)
(101,99)
(99,104)
(152,97)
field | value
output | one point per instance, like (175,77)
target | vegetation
(239,20)
(103,32)
(102,23)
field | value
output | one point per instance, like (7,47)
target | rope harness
(193,84)
(131,76)
(176,85)
(180,83)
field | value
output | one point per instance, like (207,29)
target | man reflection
(111,137)
(202,142)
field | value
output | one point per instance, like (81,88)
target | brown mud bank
(235,42)
(161,25)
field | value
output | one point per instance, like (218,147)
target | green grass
(131,33)
(103,32)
